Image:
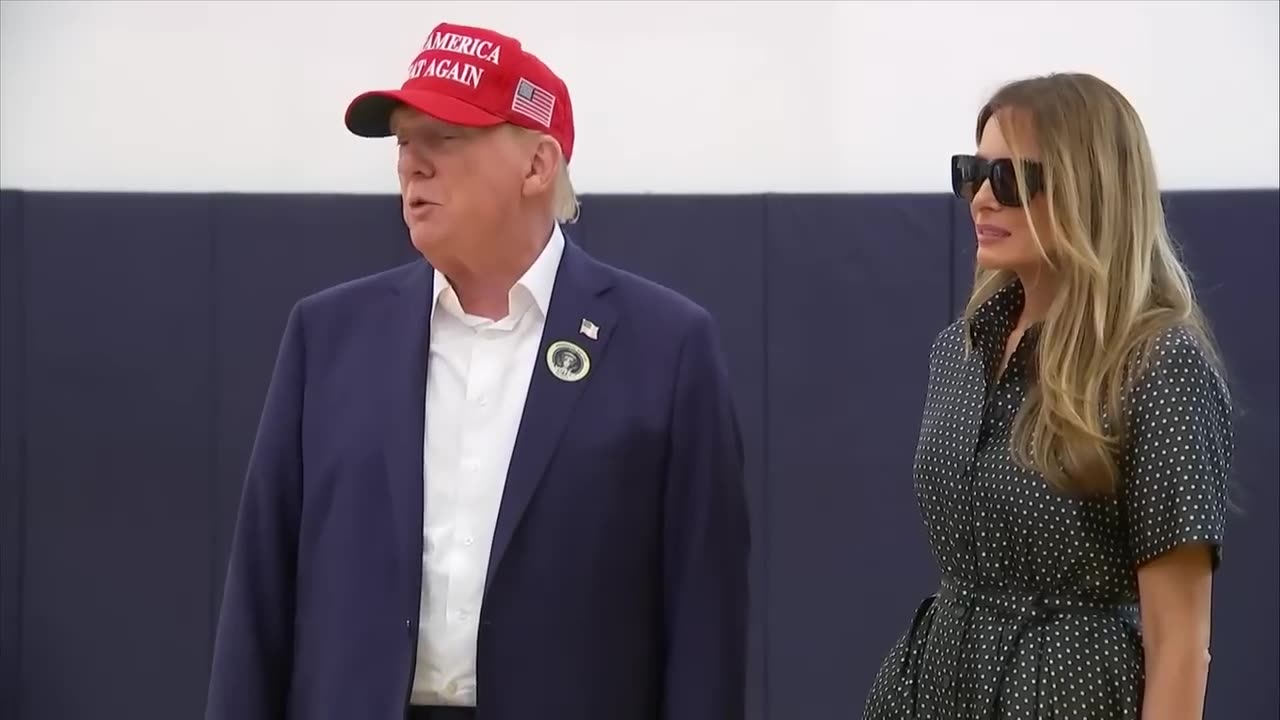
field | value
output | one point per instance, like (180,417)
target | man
(504,483)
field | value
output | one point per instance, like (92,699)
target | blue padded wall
(137,335)
(857,289)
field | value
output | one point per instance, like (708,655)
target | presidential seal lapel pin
(567,361)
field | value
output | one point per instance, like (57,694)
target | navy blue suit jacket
(617,584)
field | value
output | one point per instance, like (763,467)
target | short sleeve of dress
(1179,451)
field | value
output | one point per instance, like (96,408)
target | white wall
(670,97)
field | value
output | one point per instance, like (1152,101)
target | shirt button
(468,542)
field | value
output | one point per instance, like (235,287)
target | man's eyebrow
(433,126)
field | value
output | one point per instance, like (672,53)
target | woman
(1076,439)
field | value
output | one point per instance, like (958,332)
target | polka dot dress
(1036,616)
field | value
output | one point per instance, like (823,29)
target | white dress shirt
(477,379)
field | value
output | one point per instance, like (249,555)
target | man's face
(458,185)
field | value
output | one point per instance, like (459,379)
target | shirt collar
(535,285)
(540,278)
(995,318)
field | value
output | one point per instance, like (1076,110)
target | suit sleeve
(707,541)
(253,644)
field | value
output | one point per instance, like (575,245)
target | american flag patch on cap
(534,102)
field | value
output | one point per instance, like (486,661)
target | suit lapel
(551,400)
(404,394)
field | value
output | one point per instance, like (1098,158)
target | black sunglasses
(968,172)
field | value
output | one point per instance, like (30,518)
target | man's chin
(425,240)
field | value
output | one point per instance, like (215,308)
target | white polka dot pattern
(1037,613)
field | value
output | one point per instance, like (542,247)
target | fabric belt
(1026,609)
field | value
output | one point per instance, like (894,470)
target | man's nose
(416,162)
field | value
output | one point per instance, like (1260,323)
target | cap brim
(369,115)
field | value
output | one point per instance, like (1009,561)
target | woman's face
(1004,236)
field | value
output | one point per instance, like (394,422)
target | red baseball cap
(473,77)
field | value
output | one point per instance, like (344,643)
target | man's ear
(544,166)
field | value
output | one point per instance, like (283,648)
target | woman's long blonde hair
(1121,282)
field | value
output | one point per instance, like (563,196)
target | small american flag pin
(589,329)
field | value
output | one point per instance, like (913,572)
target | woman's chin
(995,256)
(989,258)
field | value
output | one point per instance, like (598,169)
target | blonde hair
(1121,282)
(564,200)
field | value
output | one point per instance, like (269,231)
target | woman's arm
(1176,469)
(1175,592)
